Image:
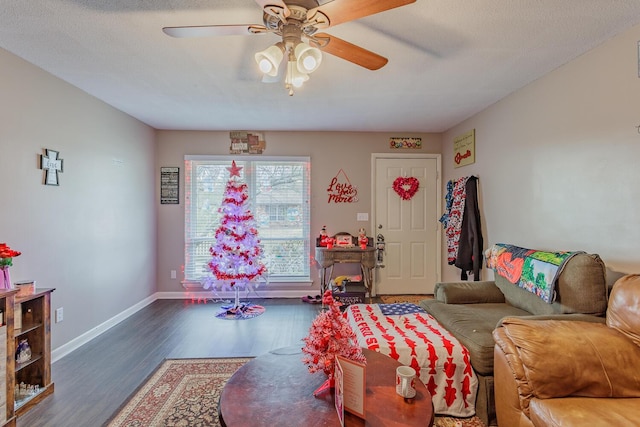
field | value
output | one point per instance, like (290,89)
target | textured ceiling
(448,59)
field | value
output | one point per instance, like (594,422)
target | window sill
(195,286)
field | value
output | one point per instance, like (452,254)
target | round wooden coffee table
(276,389)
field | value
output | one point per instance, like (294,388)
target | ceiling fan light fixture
(269,59)
(308,58)
(294,77)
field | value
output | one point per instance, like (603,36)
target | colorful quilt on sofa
(414,338)
(532,270)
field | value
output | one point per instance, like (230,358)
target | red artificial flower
(7,254)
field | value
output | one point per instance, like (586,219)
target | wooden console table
(326,258)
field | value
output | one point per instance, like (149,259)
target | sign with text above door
(464,149)
(341,190)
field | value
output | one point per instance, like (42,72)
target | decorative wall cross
(51,165)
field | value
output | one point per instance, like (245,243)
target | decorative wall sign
(243,142)
(415,143)
(169,185)
(406,187)
(51,165)
(464,149)
(340,190)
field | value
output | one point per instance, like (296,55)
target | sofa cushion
(584,411)
(607,365)
(581,288)
(468,292)
(472,325)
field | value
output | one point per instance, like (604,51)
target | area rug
(414,299)
(185,393)
(181,392)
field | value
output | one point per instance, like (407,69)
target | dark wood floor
(92,382)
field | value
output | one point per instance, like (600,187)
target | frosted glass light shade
(269,59)
(294,77)
(308,58)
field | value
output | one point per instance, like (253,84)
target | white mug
(406,381)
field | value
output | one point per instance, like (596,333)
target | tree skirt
(185,392)
(242,311)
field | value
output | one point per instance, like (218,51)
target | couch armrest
(511,388)
(562,358)
(468,292)
(579,317)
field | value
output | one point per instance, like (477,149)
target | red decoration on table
(330,335)
(406,187)
(363,240)
(325,240)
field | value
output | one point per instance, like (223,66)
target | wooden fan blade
(214,30)
(340,11)
(348,51)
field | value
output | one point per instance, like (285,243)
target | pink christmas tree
(236,255)
(330,335)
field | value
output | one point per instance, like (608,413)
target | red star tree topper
(236,255)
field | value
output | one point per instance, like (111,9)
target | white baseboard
(76,343)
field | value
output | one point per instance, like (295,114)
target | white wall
(329,152)
(93,237)
(558,160)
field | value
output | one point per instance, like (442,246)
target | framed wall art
(169,185)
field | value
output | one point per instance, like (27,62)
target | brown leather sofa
(472,310)
(572,373)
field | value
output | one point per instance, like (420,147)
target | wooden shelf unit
(24,317)
(35,327)
(7,353)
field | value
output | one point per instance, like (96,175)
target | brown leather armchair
(571,373)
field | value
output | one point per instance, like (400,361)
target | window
(279,197)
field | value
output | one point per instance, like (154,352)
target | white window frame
(194,273)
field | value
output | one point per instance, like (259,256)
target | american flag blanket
(414,338)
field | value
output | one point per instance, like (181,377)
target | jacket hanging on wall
(463,229)
(456,199)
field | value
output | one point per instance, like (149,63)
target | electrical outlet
(362,216)
(173,274)
(59,314)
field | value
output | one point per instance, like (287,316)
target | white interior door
(411,258)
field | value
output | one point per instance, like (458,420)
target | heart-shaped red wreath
(406,187)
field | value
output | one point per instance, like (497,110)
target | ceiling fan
(297,23)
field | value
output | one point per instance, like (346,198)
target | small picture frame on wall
(169,185)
